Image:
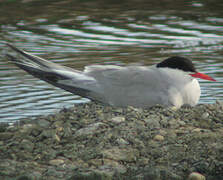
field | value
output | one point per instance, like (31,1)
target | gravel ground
(91,141)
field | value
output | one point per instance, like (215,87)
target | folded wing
(63,77)
(137,86)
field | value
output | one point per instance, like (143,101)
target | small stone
(57,138)
(90,129)
(95,162)
(26,128)
(67,130)
(196,130)
(158,137)
(196,176)
(143,161)
(118,169)
(56,162)
(122,141)
(173,123)
(58,124)
(205,115)
(152,173)
(118,154)
(35,132)
(27,145)
(162,132)
(10,128)
(43,123)
(48,133)
(182,123)
(174,108)
(4,127)
(5,135)
(110,162)
(118,119)
(118,110)
(220,103)
(131,108)
(96,174)
(59,129)
(153,122)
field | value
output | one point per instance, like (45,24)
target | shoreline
(92,141)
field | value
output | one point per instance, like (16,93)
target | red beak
(202,76)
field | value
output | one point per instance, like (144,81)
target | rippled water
(79,33)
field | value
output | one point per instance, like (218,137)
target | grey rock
(5,136)
(153,122)
(118,119)
(43,123)
(90,129)
(27,145)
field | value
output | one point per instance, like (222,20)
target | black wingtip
(13,47)
(9,45)
(11,58)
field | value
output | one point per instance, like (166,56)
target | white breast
(192,92)
(183,89)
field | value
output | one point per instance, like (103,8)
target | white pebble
(158,137)
(196,176)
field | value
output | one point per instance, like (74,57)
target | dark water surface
(79,33)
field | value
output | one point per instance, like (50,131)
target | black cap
(178,62)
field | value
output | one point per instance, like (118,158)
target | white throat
(182,88)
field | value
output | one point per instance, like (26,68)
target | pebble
(205,115)
(96,162)
(27,128)
(5,135)
(48,133)
(56,162)
(158,137)
(120,154)
(220,103)
(27,145)
(43,123)
(57,138)
(181,123)
(153,122)
(118,119)
(122,141)
(90,129)
(196,176)
(174,123)
(197,130)
(35,132)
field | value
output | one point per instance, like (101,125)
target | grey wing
(63,77)
(137,86)
(115,85)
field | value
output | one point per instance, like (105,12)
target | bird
(171,82)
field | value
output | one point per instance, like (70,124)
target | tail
(71,80)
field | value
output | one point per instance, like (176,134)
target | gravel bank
(91,141)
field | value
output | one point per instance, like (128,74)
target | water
(79,33)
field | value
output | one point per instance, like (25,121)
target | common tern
(170,83)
